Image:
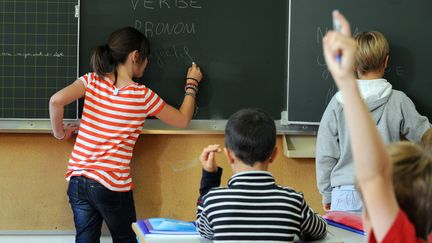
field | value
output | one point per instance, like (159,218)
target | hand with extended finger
(339,52)
(207,157)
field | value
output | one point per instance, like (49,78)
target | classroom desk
(338,235)
(334,235)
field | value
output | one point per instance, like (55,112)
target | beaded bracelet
(194,79)
(190,94)
(191,86)
(61,137)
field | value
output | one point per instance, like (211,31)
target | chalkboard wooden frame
(154,126)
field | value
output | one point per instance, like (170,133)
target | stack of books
(345,220)
(164,228)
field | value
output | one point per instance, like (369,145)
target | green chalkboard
(404,23)
(253,53)
(240,45)
(38,56)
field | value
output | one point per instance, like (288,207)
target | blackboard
(254,53)
(240,45)
(38,56)
(404,23)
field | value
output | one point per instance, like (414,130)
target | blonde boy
(393,112)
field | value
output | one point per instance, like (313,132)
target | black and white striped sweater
(254,208)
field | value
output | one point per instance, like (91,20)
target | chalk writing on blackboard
(167,4)
(32,54)
(152,29)
(177,52)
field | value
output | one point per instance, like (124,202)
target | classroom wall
(165,169)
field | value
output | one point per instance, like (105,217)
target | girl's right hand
(194,73)
(69,130)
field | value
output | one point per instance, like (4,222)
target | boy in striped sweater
(253,207)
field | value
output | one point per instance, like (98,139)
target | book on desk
(166,226)
(163,228)
(169,230)
(346,220)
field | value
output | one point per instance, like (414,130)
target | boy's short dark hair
(251,135)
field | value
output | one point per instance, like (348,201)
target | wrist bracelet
(191,86)
(61,137)
(190,94)
(194,79)
(192,83)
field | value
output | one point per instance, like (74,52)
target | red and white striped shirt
(110,125)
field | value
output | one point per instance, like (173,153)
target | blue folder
(342,226)
(167,226)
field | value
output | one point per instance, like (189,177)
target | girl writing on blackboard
(115,109)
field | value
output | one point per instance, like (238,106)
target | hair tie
(107,48)
(108,53)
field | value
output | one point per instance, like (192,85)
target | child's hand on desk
(326,207)
(207,157)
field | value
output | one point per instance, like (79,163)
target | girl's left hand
(70,129)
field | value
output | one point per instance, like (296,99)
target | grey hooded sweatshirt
(395,116)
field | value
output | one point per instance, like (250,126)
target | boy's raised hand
(340,43)
(207,157)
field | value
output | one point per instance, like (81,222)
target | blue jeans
(92,203)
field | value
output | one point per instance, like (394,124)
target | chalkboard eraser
(299,146)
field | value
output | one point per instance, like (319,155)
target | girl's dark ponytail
(102,61)
(105,58)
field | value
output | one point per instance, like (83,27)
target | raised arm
(372,162)
(211,176)
(57,103)
(182,116)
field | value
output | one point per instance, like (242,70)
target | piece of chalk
(336,24)
(193,63)
(337,27)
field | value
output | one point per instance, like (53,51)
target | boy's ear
(273,155)
(229,155)
(386,61)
